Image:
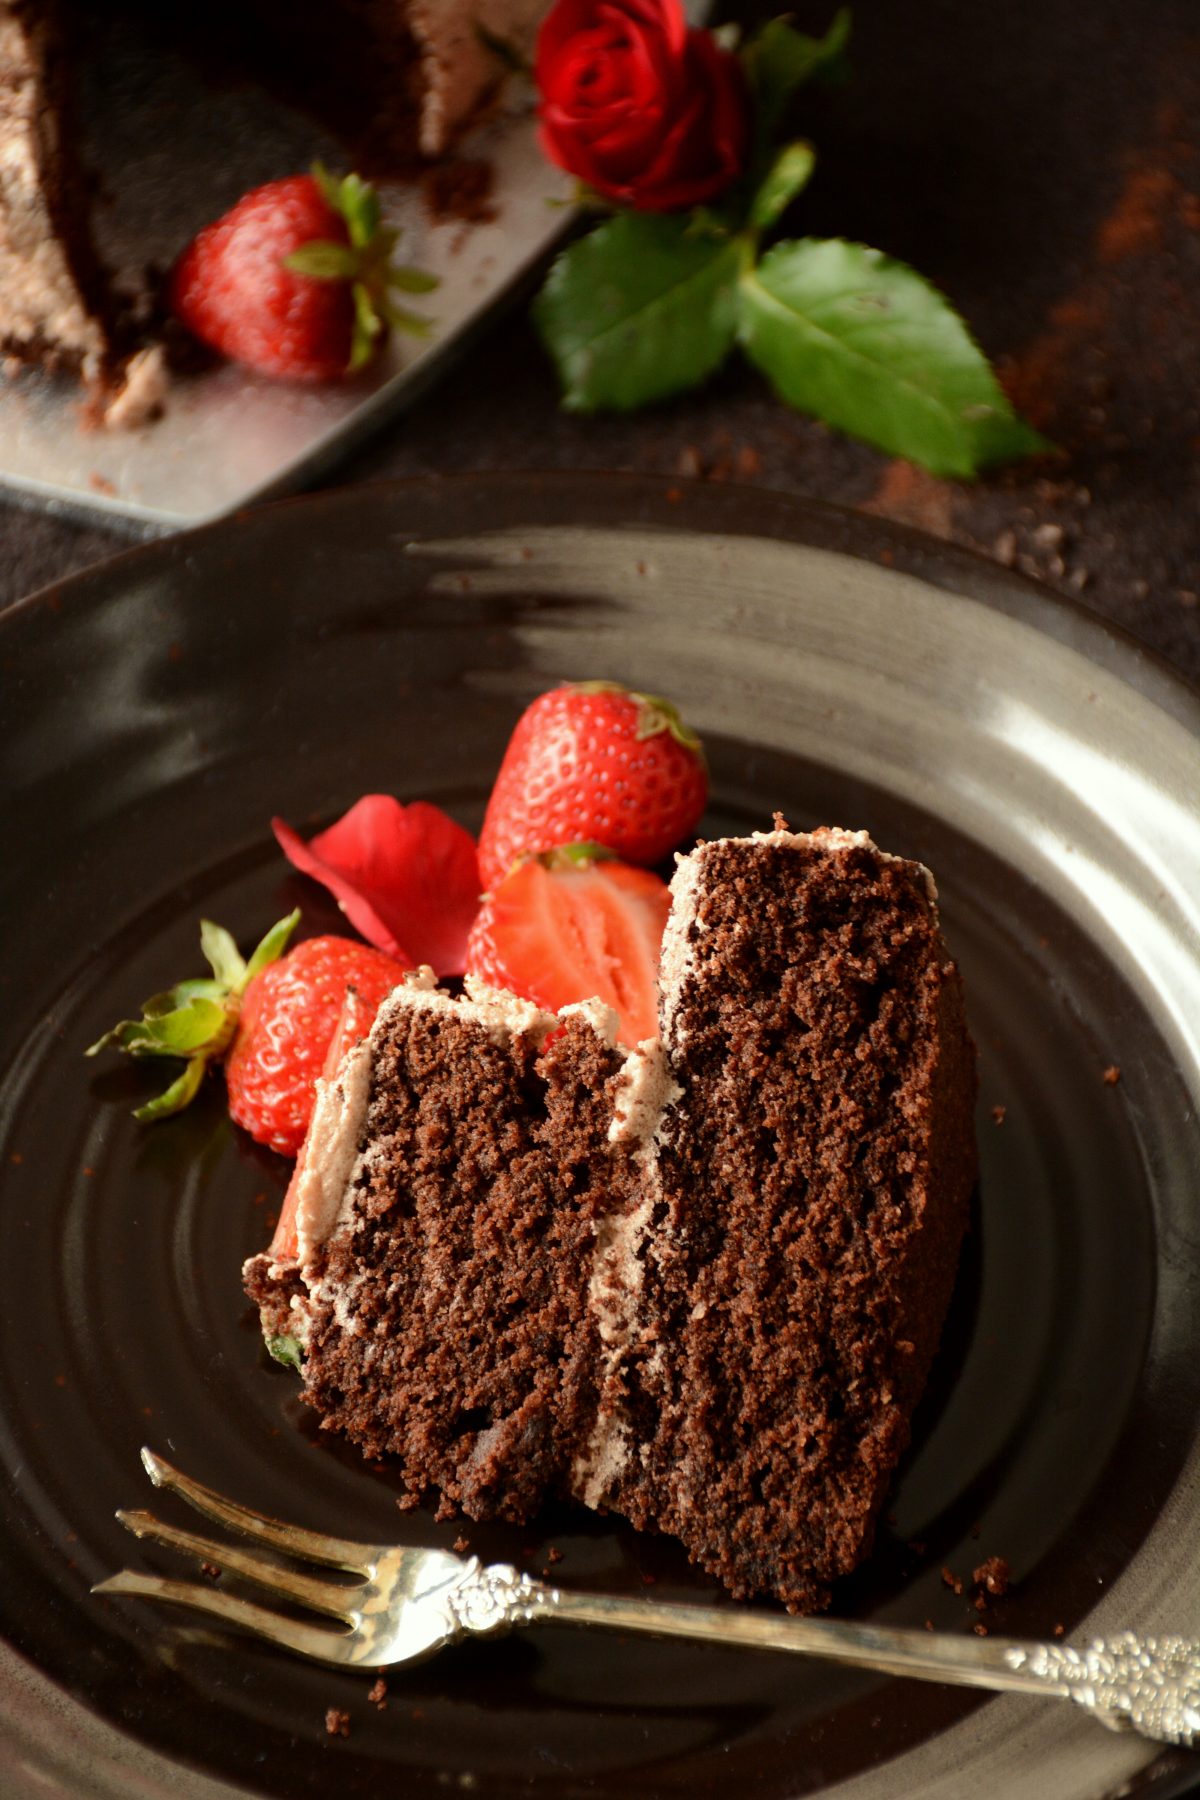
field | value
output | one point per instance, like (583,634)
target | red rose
(646,111)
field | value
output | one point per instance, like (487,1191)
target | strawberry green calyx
(196,1019)
(365,262)
(574,856)
(287,1350)
(655,715)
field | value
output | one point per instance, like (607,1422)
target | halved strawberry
(574,924)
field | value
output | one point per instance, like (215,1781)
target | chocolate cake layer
(813,1180)
(447,1322)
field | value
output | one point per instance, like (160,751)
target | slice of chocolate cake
(53,295)
(700,1283)
(397,81)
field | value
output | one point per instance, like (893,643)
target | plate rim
(948,566)
(813,524)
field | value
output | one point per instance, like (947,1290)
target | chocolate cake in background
(701,1283)
(397,81)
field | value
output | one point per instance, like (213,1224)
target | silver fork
(409,1603)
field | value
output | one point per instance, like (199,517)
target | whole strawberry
(271,1019)
(295,279)
(594,762)
(289,1014)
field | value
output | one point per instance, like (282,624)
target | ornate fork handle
(1146,1684)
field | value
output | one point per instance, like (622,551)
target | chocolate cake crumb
(1112,1074)
(953,1581)
(999,1114)
(211,1570)
(980,1630)
(377,1694)
(462,1544)
(337,1722)
(1059,1630)
(993,1574)
(461,189)
(554,1555)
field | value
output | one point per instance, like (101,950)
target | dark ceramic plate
(156,713)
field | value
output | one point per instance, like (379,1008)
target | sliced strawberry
(572,925)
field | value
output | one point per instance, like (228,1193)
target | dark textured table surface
(1041,161)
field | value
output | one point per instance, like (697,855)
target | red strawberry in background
(574,924)
(594,762)
(296,279)
(272,1019)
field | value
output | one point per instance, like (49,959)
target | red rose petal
(407,877)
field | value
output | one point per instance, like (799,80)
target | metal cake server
(408,1603)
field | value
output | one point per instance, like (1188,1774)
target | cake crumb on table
(462,1544)
(994,1575)
(377,1694)
(554,1554)
(951,1580)
(337,1722)
(1112,1074)
(999,1114)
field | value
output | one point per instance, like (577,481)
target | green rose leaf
(863,342)
(641,308)
(789,173)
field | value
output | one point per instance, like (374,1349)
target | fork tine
(307,1640)
(305,1590)
(309,1546)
